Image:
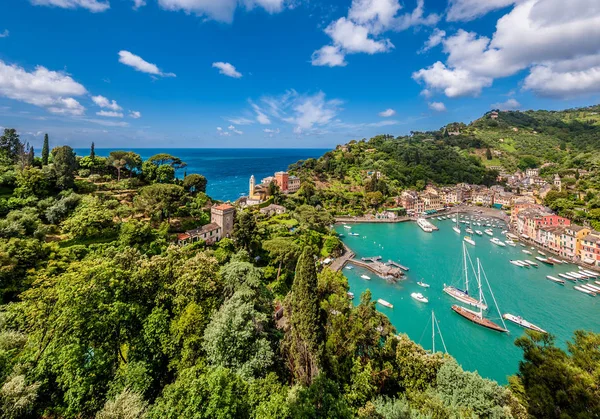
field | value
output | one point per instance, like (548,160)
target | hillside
(555,141)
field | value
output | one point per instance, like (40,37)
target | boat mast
(465,267)
(433,330)
(480,290)
(495,302)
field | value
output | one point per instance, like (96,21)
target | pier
(396,264)
(384,270)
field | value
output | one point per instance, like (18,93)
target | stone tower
(223,215)
(557,182)
(252,183)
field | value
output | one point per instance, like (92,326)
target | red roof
(183,236)
(223,207)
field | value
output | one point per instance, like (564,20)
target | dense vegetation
(103,316)
(362,176)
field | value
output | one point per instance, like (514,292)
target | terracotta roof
(204,229)
(183,236)
(223,207)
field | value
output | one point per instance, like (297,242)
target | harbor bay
(437,259)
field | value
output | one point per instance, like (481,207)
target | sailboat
(456,227)
(477,316)
(463,296)
(434,324)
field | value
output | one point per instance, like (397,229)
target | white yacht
(419,297)
(498,242)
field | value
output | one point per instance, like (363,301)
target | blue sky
(284,73)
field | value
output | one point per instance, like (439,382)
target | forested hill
(499,140)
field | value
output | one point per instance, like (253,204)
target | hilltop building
(221,226)
(259,193)
(558,182)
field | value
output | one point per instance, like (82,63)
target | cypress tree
(45,150)
(31,156)
(93,151)
(304,349)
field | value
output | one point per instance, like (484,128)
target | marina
(436,259)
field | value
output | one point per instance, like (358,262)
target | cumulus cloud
(91,5)
(139,64)
(135,114)
(105,103)
(221,10)
(227,70)
(540,35)
(234,130)
(436,38)
(509,105)
(138,3)
(110,114)
(107,123)
(4,34)
(437,106)
(387,113)
(222,132)
(48,89)
(465,10)
(363,28)
(329,56)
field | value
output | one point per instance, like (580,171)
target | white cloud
(558,44)
(110,114)
(465,10)
(234,130)
(51,90)
(4,34)
(91,5)
(241,121)
(135,114)
(261,117)
(107,123)
(453,82)
(227,70)
(387,113)
(271,131)
(436,38)
(361,31)
(329,56)
(138,63)
(509,105)
(437,106)
(221,10)
(105,103)
(222,132)
(138,3)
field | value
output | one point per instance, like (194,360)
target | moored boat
(489,232)
(365,277)
(469,230)
(525,264)
(570,278)
(385,303)
(544,260)
(526,251)
(593,287)
(530,262)
(477,318)
(479,233)
(511,243)
(423,284)
(554,279)
(517,263)
(419,297)
(425,225)
(580,289)
(557,261)
(541,253)
(347,226)
(497,242)
(463,295)
(469,240)
(349,267)
(522,322)
(350,295)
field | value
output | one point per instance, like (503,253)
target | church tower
(557,182)
(252,183)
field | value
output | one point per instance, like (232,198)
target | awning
(589,261)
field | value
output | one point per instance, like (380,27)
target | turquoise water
(228,171)
(436,258)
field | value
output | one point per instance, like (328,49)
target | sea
(228,171)
(436,259)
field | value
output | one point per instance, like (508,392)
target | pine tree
(45,150)
(93,151)
(304,350)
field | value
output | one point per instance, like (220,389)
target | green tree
(93,151)
(10,143)
(165,173)
(245,231)
(124,159)
(488,154)
(91,219)
(164,158)
(65,165)
(45,150)
(159,200)
(303,341)
(195,183)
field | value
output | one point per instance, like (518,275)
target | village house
(571,241)
(221,226)
(590,248)
(273,209)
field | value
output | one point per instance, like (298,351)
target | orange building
(282,180)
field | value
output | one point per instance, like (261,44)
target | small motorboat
(365,277)
(489,232)
(350,295)
(347,226)
(498,242)
(530,263)
(349,267)
(554,279)
(385,303)
(469,230)
(526,251)
(522,322)
(419,297)
(469,240)
(544,260)
(517,263)
(423,284)
(478,232)
(541,253)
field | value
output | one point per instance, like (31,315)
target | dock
(397,265)
(389,272)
